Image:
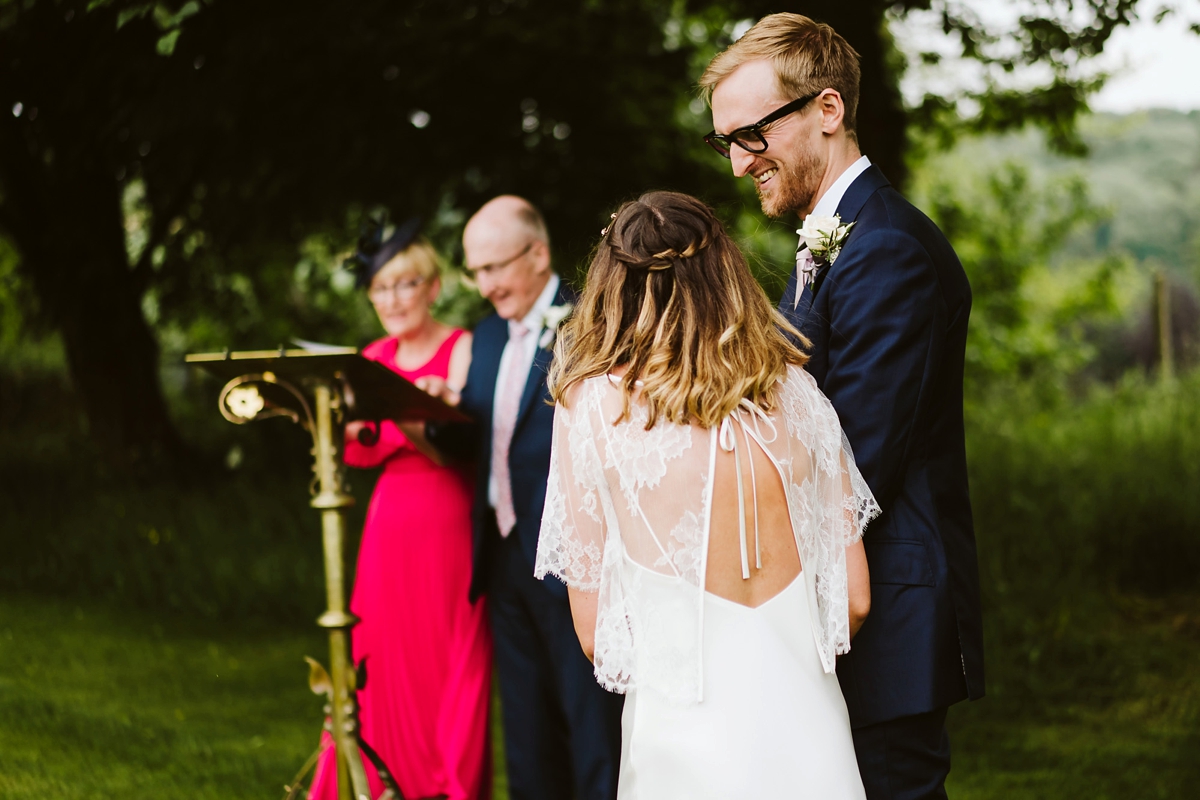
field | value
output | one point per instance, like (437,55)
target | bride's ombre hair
(670,299)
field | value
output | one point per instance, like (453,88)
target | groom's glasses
(750,137)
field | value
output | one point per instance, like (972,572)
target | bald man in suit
(562,732)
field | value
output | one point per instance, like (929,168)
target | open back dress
(722,700)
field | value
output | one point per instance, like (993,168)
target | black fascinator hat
(376,248)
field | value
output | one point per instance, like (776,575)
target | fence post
(1162,325)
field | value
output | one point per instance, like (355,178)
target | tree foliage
(253,126)
(1053,39)
(197,166)
(1007,232)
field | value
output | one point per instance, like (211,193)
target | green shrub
(214,542)
(1074,503)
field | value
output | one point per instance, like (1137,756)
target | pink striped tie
(504,420)
(806,271)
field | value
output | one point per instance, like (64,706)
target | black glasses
(750,137)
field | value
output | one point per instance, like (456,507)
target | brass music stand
(343,386)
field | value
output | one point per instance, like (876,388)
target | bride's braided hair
(664,259)
(669,299)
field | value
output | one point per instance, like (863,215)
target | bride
(706,514)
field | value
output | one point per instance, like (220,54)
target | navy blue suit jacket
(528,454)
(888,326)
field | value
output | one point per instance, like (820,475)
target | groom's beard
(795,187)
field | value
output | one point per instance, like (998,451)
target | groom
(885,304)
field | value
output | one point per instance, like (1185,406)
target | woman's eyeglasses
(750,137)
(398,290)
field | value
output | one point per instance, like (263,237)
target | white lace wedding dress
(722,700)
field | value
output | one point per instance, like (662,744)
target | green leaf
(190,8)
(126,15)
(166,42)
(169,19)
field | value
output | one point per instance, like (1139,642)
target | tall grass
(1073,500)
(1076,503)
(220,548)
(211,542)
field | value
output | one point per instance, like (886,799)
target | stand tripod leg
(382,770)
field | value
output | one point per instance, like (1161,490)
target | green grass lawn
(97,702)
(1124,724)
(102,703)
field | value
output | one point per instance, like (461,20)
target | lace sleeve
(858,503)
(571,544)
(839,504)
(845,506)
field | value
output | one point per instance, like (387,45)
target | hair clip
(604,231)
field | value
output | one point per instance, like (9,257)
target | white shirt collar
(828,204)
(533,320)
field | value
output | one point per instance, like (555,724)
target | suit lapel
(535,383)
(489,344)
(798,310)
(849,207)
(542,357)
(859,192)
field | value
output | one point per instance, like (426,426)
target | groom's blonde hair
(807,56)
(670,299)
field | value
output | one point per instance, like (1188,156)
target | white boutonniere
(824,237)
(821,240)
(551,320)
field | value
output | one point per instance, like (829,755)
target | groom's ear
(832,110)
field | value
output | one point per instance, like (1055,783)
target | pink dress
(428,648)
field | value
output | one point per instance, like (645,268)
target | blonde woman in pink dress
(428,650)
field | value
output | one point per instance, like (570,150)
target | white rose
(551,321)
(817,230)
(555,315)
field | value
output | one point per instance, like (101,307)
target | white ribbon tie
(727,438)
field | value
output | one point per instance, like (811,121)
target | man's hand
(439,388)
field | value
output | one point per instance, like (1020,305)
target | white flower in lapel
(824,236)
(553,318)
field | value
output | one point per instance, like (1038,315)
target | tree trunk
(111,351)
(67,225)
(60,204)
(882,120)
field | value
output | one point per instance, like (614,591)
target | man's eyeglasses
(397,290)
(750,137)
(496,267)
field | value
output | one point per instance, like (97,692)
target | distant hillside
(1144,166)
